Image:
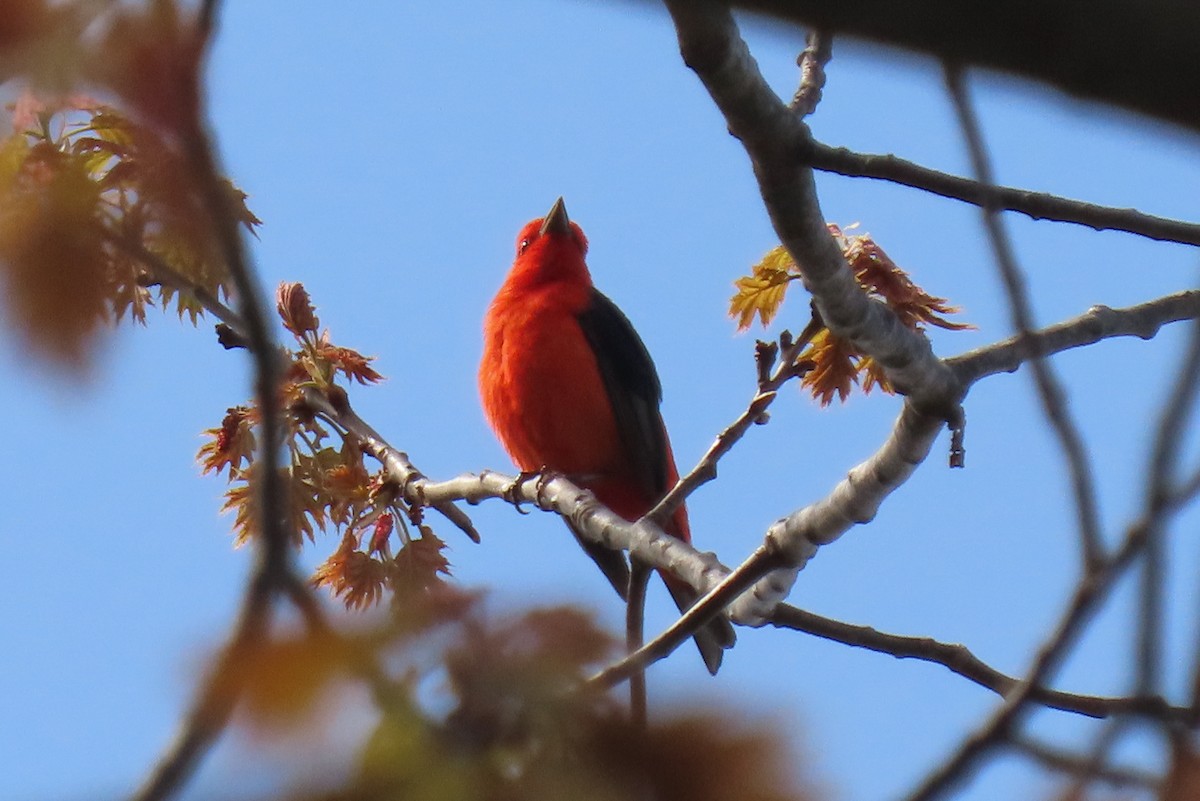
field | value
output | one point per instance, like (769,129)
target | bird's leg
(639,578)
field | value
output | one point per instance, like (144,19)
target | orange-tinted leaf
(231,444)
(295,309)
(873,376)
(240,500)
(241,212)
(420,564)
(53,260)
(349,362)
(282,680)
(353,576)
(881,276)
(762,292)
(835,370)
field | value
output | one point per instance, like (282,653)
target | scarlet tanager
(568,386)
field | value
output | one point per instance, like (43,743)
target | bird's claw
(512,492)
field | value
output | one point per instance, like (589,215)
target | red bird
(568,386)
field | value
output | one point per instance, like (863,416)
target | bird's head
(552,247)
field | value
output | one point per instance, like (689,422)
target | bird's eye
(521,247)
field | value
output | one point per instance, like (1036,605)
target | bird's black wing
(633,390)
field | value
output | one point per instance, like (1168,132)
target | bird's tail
(715,637)
(612,564)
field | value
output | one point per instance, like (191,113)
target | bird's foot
(541,477)
(512,492)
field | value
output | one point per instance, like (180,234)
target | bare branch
(1091,590)
(770,381)
(853,501)
(1097,323)
(1135,56)
(1037,205)
(817,52)
(1079,765)
(761,563)
(960,660)
(1050,391)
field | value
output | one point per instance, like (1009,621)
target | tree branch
(771,133)
(1050,392)
(817,52)
(1082,766)
(396,462)
(1098,323)
(960,660)
(1136,56)
(1037,205)
(272,571)
(772,376)
(1088,594)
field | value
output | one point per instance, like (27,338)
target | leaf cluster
(92,193)
(384,544)
(84,194)
(836,364)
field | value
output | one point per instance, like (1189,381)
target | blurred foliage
(506,718)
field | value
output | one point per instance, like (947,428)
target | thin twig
(769,383)
(1161,493)
(1081,765)
(1036,205)
(1050,391)
(962,661)
(816,54)
(1091,590)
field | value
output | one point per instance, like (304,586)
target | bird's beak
(556,221)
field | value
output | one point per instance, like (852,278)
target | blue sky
(393,151)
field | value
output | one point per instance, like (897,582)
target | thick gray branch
(773,136)
(856,498)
